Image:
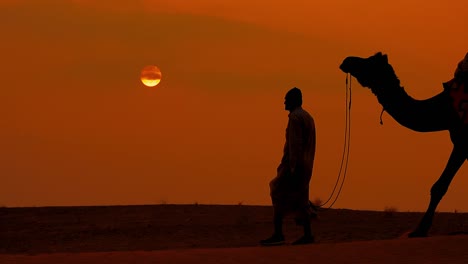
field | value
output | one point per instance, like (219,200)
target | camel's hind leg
(439,189)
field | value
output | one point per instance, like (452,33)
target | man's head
(293,99)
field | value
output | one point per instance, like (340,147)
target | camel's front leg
(439,189)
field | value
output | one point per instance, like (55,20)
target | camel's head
(369,72)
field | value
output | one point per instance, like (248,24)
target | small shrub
(317,202)
(390,210)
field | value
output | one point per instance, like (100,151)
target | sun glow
(150,76)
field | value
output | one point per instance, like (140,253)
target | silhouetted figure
(447,110)
(289,190)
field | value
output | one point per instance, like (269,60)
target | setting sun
(150,76)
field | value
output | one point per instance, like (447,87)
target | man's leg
(307,226)
(278,224)
(277,238)
(305,222)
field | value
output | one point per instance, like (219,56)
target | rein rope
(381,113)
(345,155)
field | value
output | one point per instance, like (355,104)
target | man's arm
(296,143)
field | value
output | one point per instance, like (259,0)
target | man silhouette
(289,190)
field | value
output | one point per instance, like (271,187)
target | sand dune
(220,234)
(443,249)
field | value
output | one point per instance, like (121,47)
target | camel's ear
(385,58)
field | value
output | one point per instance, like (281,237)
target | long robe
(289,190)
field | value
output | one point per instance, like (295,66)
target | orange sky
(79,128)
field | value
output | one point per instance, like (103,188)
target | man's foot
(274,240)
(304,240)
(417,233)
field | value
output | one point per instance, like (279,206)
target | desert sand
(220,234)
(422,250)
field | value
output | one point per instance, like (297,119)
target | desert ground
(181,233)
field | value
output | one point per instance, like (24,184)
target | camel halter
(345,155)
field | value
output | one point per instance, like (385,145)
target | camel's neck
(419,115)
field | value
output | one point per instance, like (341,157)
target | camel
(447,110)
